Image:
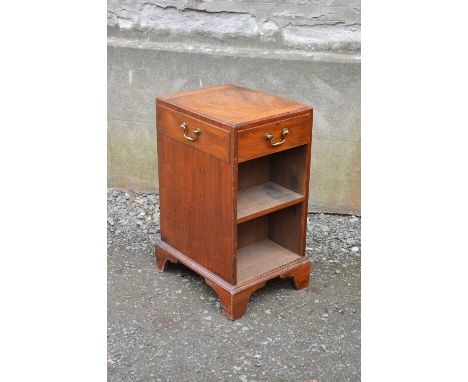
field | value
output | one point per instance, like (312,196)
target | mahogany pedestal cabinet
(233,177)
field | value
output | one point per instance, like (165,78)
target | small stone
(268,311)
(355,249)
(208,318)
(338,271)
(110,221)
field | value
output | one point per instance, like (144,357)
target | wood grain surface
(261,257)
(233,105)
(196,205)
(252,142)
(264,198)
(212,140)
(232,207)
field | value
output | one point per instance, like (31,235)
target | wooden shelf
(264,198)
(261,257)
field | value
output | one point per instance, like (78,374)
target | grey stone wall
(304,24)
(304,50)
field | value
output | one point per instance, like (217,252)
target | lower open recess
(268,242)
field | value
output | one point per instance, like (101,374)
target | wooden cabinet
(233,178)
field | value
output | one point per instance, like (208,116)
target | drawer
(212,140)
(253,143)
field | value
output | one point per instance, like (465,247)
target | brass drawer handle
(196,133)
(269,137)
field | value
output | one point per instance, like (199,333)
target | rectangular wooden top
(233,105)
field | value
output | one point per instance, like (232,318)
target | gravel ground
(169,326)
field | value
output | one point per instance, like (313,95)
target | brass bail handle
(284,134)
(196,133)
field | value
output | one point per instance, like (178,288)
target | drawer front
(254,144)
(211,139)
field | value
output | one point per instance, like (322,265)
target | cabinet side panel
(196,205)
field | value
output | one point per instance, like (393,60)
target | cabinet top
(232,105)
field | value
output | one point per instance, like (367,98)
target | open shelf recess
(271,210)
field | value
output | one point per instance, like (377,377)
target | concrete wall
(307,51)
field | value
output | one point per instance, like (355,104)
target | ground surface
(169,326)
